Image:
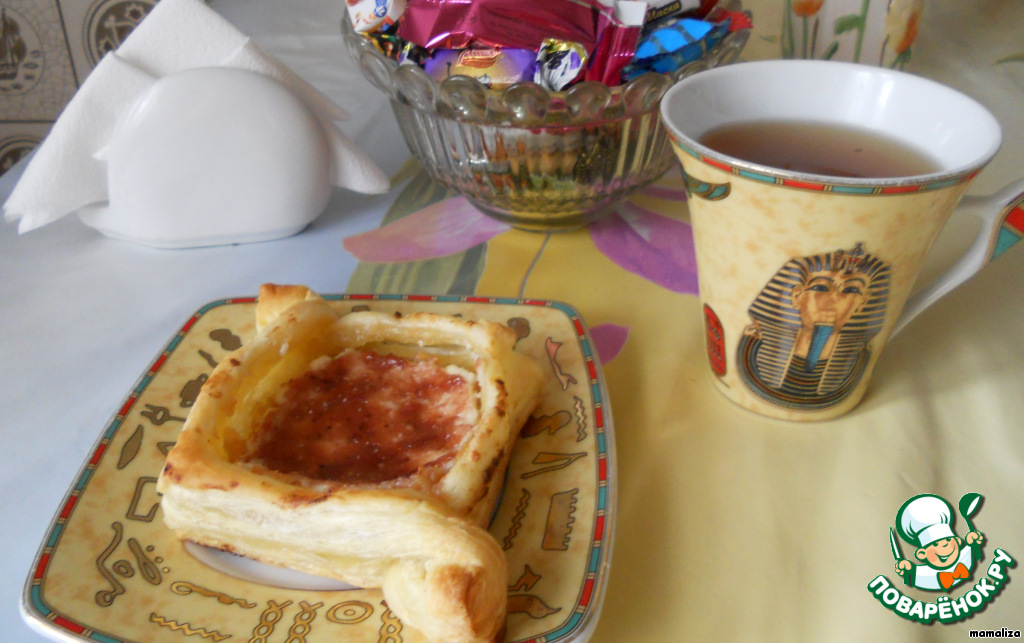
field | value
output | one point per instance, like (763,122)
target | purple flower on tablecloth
(440,229)
(655,247)
(608,340)
(645,243)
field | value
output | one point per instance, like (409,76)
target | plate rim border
(590,597)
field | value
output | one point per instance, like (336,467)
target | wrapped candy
(559,64)
(658,10)
(494,67)
(681,36)
(619,44)
(374,15)
(554,43)
(525,24)
(674,44)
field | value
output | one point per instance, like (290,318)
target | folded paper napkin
(65,174)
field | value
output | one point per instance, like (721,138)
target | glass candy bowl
(534,159)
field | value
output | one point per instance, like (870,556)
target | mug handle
(1002,215)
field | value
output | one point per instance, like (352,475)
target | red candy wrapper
(660,9)
(618,43)
(739,21)
(524,24)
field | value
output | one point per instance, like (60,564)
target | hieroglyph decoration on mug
(714,340)
(812,325)
(1010,231)
(705,190)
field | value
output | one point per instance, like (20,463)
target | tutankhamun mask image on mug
(815,192)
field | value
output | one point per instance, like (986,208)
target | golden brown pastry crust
(420,538)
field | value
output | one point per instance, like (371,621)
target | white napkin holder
(212,156)
(179,142)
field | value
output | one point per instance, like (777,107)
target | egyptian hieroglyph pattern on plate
(109,570)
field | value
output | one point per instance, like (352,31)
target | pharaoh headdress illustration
(812,323)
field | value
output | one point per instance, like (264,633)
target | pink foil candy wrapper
(514,24)
(492,66)
(374,15)
(618,43)
(613,54)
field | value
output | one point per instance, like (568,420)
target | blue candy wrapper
(670,46)
(674,37)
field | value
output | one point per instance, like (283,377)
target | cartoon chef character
(925,521)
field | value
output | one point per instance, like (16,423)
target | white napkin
(64,175)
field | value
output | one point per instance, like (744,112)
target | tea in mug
(819,148)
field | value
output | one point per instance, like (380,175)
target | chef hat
(925,519)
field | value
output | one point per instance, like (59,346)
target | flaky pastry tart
(365,447)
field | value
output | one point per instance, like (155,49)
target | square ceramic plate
(109,570)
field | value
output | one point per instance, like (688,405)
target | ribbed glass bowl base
(554,177)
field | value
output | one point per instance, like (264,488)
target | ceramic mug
(803,277)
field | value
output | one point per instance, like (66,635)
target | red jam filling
(366,418)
